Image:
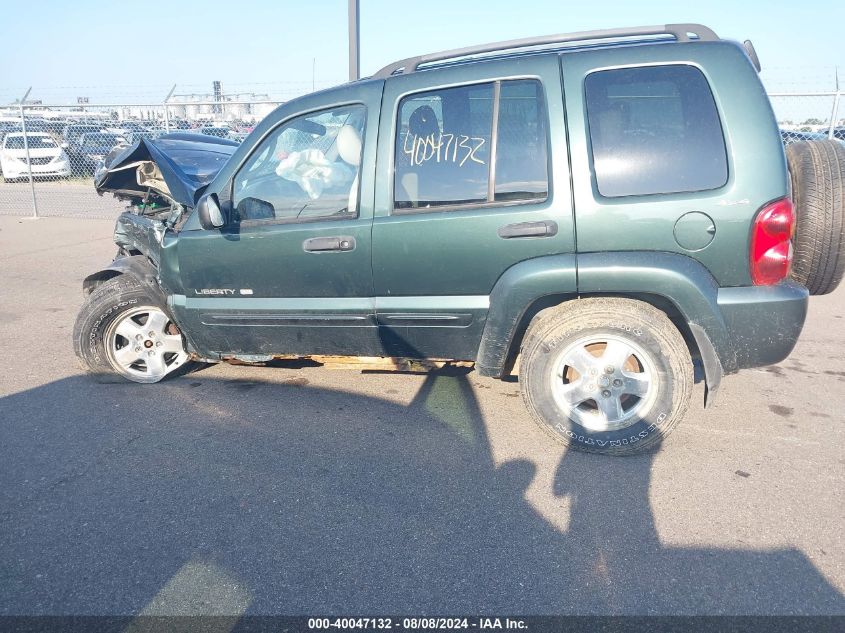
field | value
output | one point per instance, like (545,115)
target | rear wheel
(606,375)
(122,331)
(817,171)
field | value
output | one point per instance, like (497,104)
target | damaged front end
(161,179)
(170,169)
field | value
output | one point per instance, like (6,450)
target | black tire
(108,303)
(666,359)
(817,171)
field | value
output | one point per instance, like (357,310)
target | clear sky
(123,49)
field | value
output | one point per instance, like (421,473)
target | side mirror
(209,213)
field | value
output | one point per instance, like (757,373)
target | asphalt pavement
(66,197)
(314,491)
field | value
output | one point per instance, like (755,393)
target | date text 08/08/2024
(422,623)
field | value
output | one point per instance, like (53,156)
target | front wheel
(606,375)
(122,330)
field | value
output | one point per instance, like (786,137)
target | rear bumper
(762,322)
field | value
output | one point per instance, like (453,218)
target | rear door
(473,178)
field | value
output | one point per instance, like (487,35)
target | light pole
(354,33)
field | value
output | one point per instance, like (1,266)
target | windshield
(35,142)
(100,140)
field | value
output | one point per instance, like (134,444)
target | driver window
(306,169)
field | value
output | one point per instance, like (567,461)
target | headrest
(423,121)
(349,145)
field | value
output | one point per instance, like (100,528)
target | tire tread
(817,170)
(576,314)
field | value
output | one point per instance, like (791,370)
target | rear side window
(444,155)
(654,130)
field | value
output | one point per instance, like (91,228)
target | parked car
(92,147)
(9,126)
(38,125)
(219,132)
(46,157)
(73,131)
(132,137)
(125,128)
(446,208)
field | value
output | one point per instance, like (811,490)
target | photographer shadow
(269,495)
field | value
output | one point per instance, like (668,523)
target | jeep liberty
(604,209)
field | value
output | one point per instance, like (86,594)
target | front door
(290,273)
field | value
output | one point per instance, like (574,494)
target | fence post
(28,159)
(167,111)
(833,114)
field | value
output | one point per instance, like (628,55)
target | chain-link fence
(49,153)
(808,116)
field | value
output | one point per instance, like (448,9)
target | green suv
(600,209)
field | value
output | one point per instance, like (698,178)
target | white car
(46,156)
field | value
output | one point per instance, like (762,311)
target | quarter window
(654,130)
(443,154)
(305,170)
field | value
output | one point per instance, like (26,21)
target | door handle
(528,229)
(339,244)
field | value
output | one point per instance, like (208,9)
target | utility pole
(354,33)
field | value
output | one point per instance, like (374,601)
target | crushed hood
(174,166)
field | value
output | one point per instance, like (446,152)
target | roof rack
(681,33)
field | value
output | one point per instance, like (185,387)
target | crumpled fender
(174,165)
(136,265)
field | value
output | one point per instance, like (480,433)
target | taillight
(771,243)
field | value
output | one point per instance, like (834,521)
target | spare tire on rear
(817,170)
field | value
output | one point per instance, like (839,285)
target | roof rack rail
(681,32)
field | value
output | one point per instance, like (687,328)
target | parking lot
(313,490)
(70,145)
(56,198)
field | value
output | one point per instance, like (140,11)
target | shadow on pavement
(207,496)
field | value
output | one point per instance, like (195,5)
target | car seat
(349,145)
